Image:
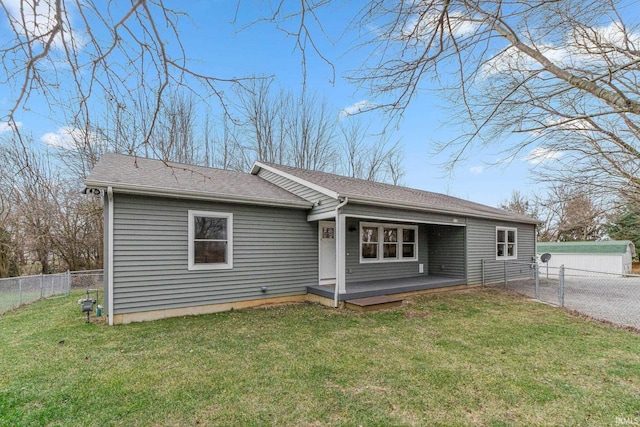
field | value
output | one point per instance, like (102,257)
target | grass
(12,300)
(474,358)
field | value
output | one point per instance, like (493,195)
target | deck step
(381,302)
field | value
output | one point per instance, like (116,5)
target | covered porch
(371,288)
(368,252)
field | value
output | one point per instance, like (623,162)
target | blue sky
(218,47)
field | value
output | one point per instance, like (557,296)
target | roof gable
(278,170)
(148,176)
(370,192)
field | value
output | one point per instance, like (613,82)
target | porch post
(341,232)
(341,236)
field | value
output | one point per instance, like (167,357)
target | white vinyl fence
(16,291)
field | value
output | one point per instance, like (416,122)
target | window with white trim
(210,240)
(388,242)
(506,243)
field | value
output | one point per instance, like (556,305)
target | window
(388,242)
(506,243)
(329,232)
(390,245)
(409,243)
(369,241)
(210,240)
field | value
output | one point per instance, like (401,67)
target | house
(604,256)
(182,239)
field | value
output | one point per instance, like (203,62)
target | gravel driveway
(607,297)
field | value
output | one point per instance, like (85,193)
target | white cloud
(540,155)
(37,18)
(425,26)
(67,138)
(62,138)
(603,46)
(6,127)
(577,125)
(356,108)
(476,170)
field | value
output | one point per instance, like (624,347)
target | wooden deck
(374,288)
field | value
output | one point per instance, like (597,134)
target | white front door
(327,252)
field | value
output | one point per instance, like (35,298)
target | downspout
(110,254)
(339,272)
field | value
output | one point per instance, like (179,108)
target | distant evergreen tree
(625,224)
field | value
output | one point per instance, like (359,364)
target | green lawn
(473,358)
(11,300)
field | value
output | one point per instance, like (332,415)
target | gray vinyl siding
(446,250)
(358,272)
(366,211)
(481,244)
(272,247)
(322,202)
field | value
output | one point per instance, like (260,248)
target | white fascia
(320,189)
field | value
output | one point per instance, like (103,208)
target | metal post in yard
(41,286)
(483,272)
(68,282)
(561,286)
(20,290)
(537,278)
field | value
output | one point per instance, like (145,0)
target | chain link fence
(16,291)
(605,296)
(87,279)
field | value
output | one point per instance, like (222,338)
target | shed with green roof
(607,256)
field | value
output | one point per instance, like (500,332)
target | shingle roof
(138,174)
(141,175)
(594,247)
(363,191)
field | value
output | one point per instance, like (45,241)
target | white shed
(606,256)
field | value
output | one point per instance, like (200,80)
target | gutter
(186,194)
(110,254)
(400,205)
(339,254)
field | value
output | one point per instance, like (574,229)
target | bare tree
(279,127)
(54,226)
(394,165)
(518,203)
(569,214)
(74,54)
(77,235)
(560,75)
(582,218)
(173,138)
(263,114)
(226,149)
(10,249)
(31,175)
(312,134)
(366,155)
